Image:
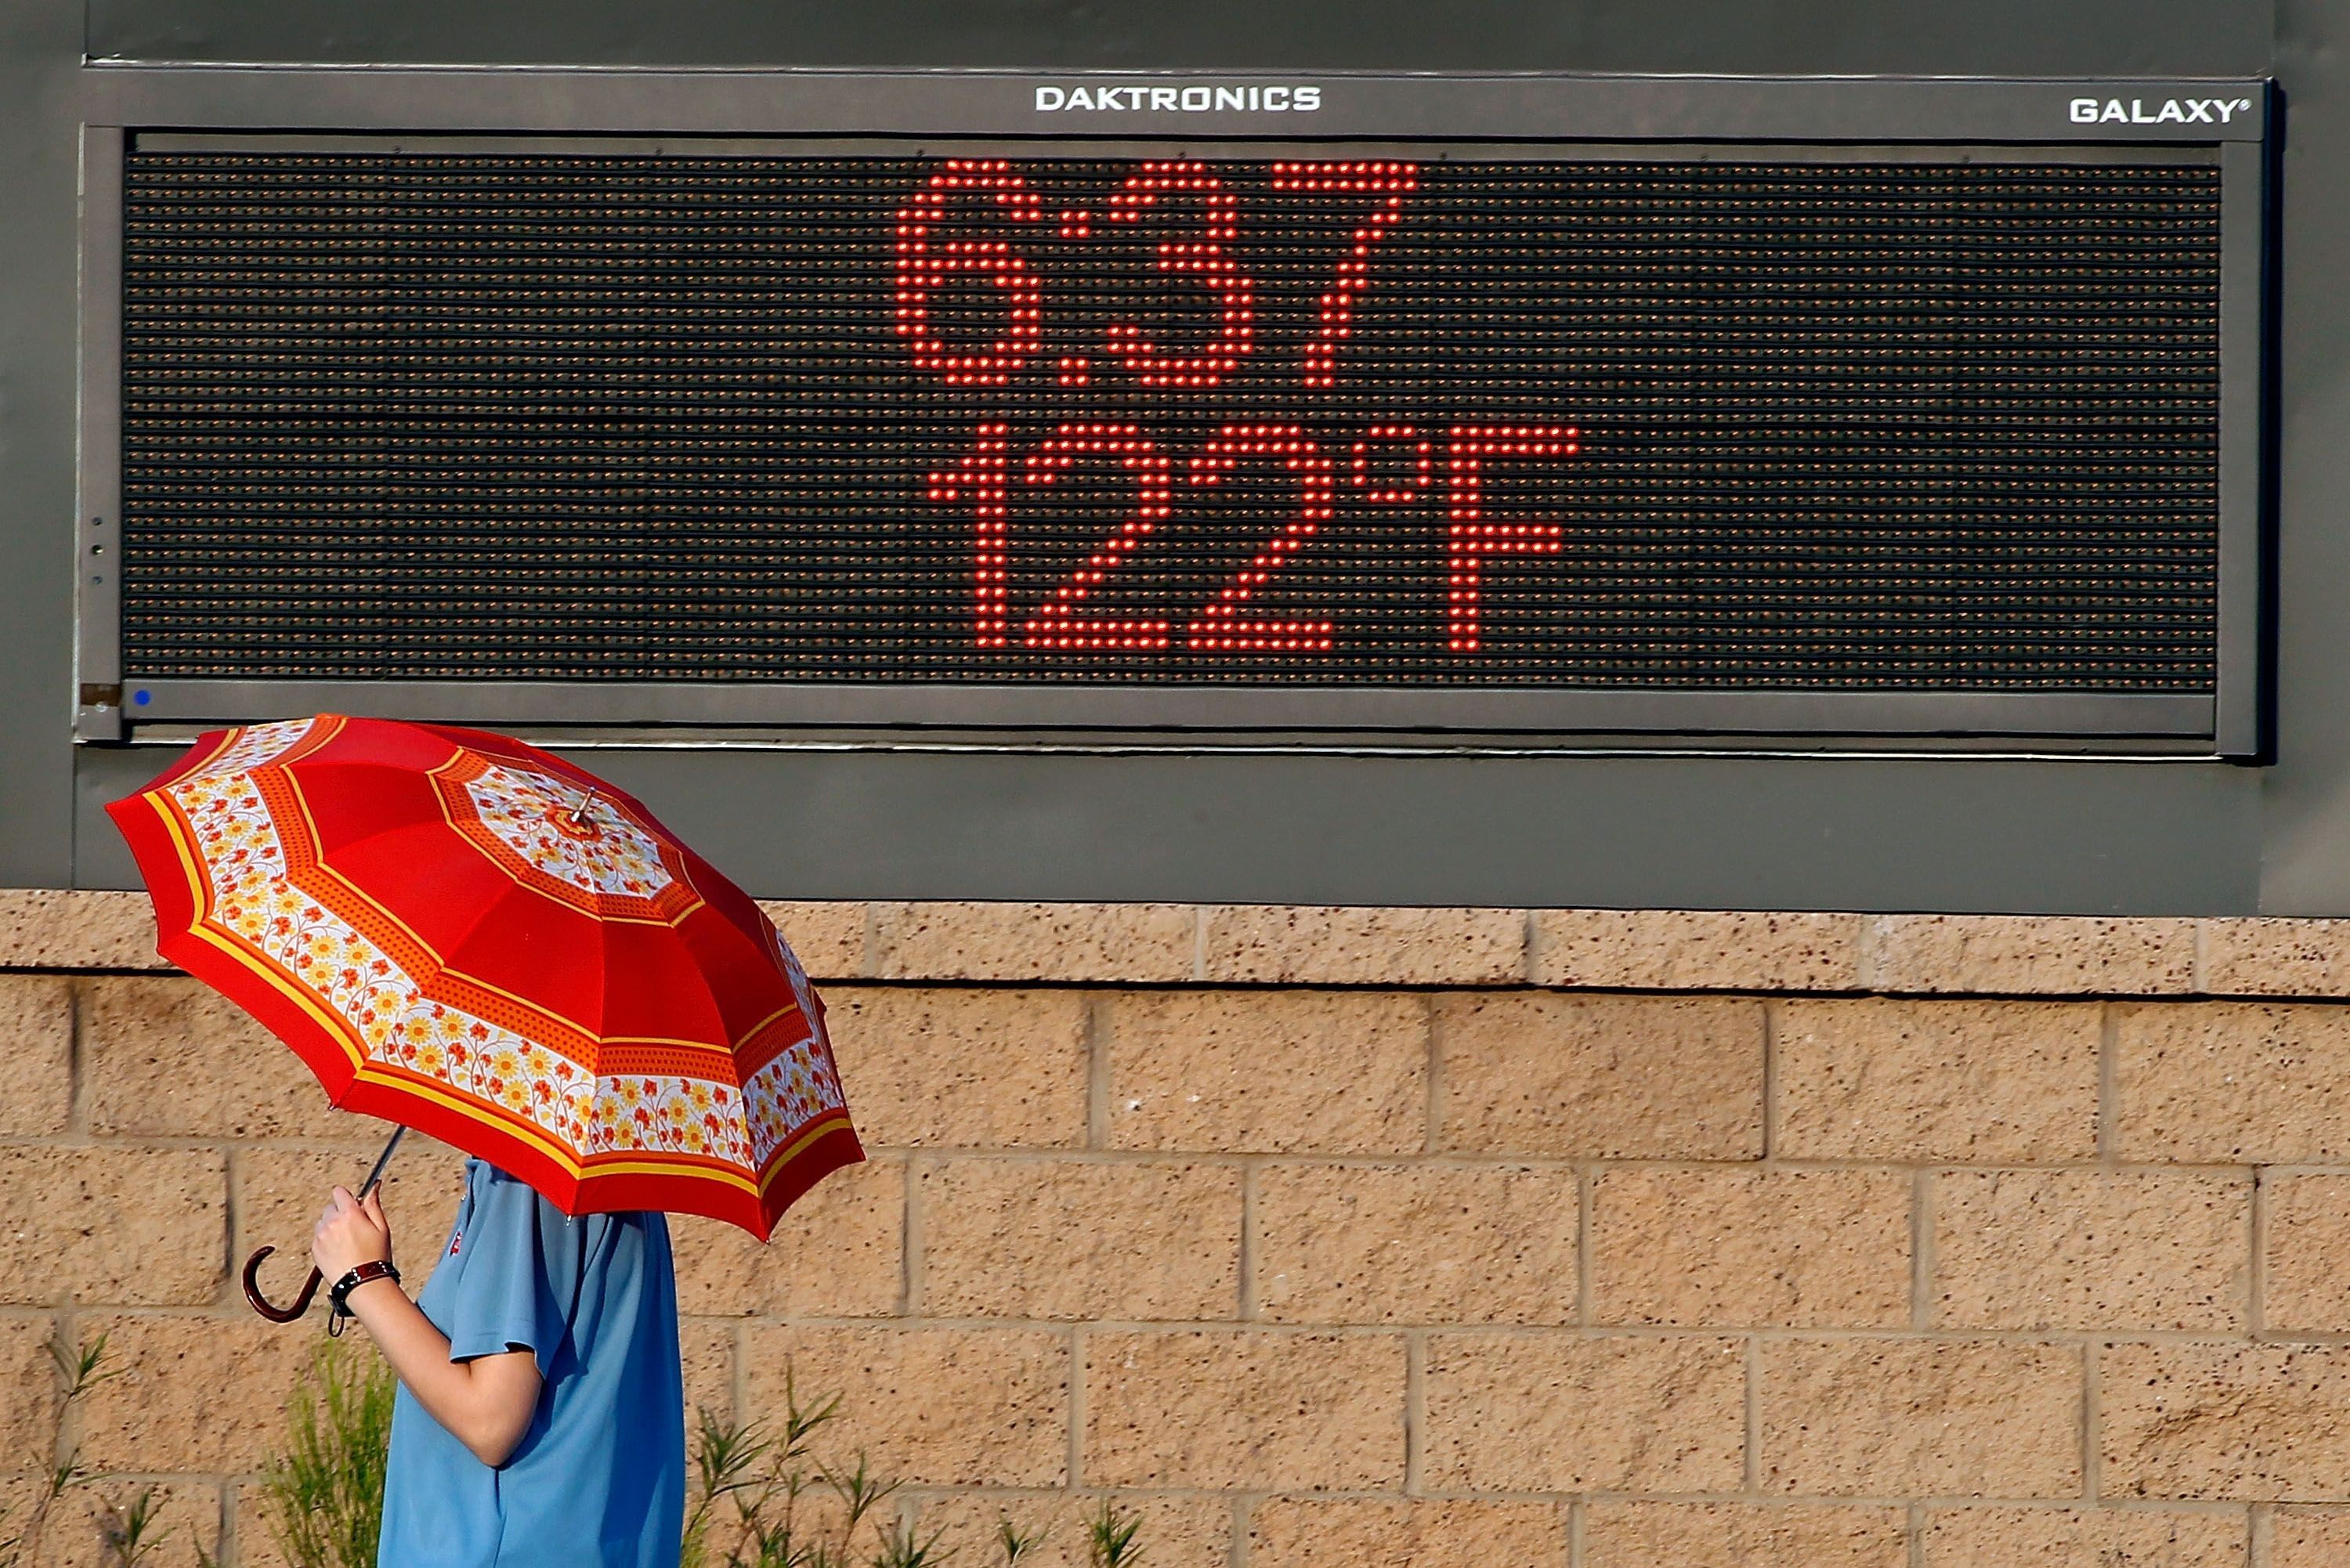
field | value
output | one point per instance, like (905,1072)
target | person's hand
(350,1233)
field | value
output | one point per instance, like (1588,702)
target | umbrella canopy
(464,934)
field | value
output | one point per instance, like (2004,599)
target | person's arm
(486,1403)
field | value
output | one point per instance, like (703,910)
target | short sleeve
(521,1278)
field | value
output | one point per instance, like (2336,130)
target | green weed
(325,1491)
(754,1486)
(80,1370)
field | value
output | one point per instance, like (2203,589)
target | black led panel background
(1842,426)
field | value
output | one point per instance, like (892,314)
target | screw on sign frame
(983,478)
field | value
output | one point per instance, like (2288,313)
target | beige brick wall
(1373,1238)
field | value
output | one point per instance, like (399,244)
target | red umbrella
(465,934)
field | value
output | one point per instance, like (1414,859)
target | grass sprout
(80,1368)
(325,1491)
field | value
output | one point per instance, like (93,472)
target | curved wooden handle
(310,1286)
(261,1303)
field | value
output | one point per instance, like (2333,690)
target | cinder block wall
(1372,1238)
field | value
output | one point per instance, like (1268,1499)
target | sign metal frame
(708,112)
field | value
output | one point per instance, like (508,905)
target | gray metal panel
(98,586)
(1633,832)
(2101,154)
(1224,708)
(1969,37)
(2243,442)
(986,103)
(2305,838)
(39,156)
(1724,832)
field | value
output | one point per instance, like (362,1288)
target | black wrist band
(338,1297)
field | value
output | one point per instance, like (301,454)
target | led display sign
(1212,434)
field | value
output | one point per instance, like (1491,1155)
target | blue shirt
(599,1481)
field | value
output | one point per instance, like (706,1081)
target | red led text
(926,263)
(922,268)
(983,481)
(1471,535)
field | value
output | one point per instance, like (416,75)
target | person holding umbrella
(540,1416)
(464,934)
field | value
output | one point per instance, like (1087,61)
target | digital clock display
(1418,418)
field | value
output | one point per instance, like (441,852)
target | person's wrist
(359,1276)
(371,1289)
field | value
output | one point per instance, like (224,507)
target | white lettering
(1201,99)
(2085,111)
(2170,113)
(2113,110)
(2228,111)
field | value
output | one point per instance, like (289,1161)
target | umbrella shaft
(382,1160)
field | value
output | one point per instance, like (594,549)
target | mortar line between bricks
(78,1090)
(738,1383)
(1431,1137)
(1246,1304)
(1478,984)
(1825,1499)
(135,1143)
(232,1211)
(2259,1538)
(1575,1511)
(909,1509)
(1586,1285)
(1921,1248)
(1236,1531)
(2256,1282)
(912,1267)
(934,1491)
(1567,1163)
(1751,1416)
(231,1549)
(1768,1333)
(1073,1461)
(2092,1476)
(1484,986)
(1913,1526)
(65,1437)
(142,1478)
(1415,1412)
(1099,1026)
(2108,1086)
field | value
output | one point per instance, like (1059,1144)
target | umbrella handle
(261,1303)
